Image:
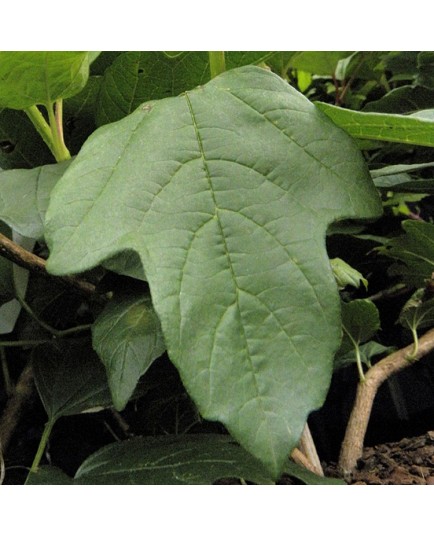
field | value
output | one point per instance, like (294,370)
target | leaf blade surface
(222,206)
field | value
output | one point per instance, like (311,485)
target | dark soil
(409,461)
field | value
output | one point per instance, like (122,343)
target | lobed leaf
(225,193)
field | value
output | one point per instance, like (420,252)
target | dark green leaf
(70,379)
(189,459)
(48,475)
(137,77)
(403,100)
(28,78)
(360,322)
(32,187)
(102,62)
(402,63)
(367,352)
(20,144)
(414,250)
(309,478)
(127,337)
(79,115)
(417,313)
(246,307)
(425,67)
(383,127)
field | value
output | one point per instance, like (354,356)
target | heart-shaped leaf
(70,379)
(226,192)
(28,78)
(127,337)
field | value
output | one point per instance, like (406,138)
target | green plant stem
(217,63)
(41,125)
(61,152)
(42,446)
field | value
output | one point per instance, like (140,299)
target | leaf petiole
(41,125)
(51,132)
(412,356)
(357,352)
(217,63)
(61,152)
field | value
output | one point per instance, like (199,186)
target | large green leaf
(226,193)
(28,78)
(70,379)
(415,251)
(170,460)
(127,336)
(24,197)
(382,127)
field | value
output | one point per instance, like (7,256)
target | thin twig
(352,445)
(20,256)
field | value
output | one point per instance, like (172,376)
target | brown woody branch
(20,256)
(352,446)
